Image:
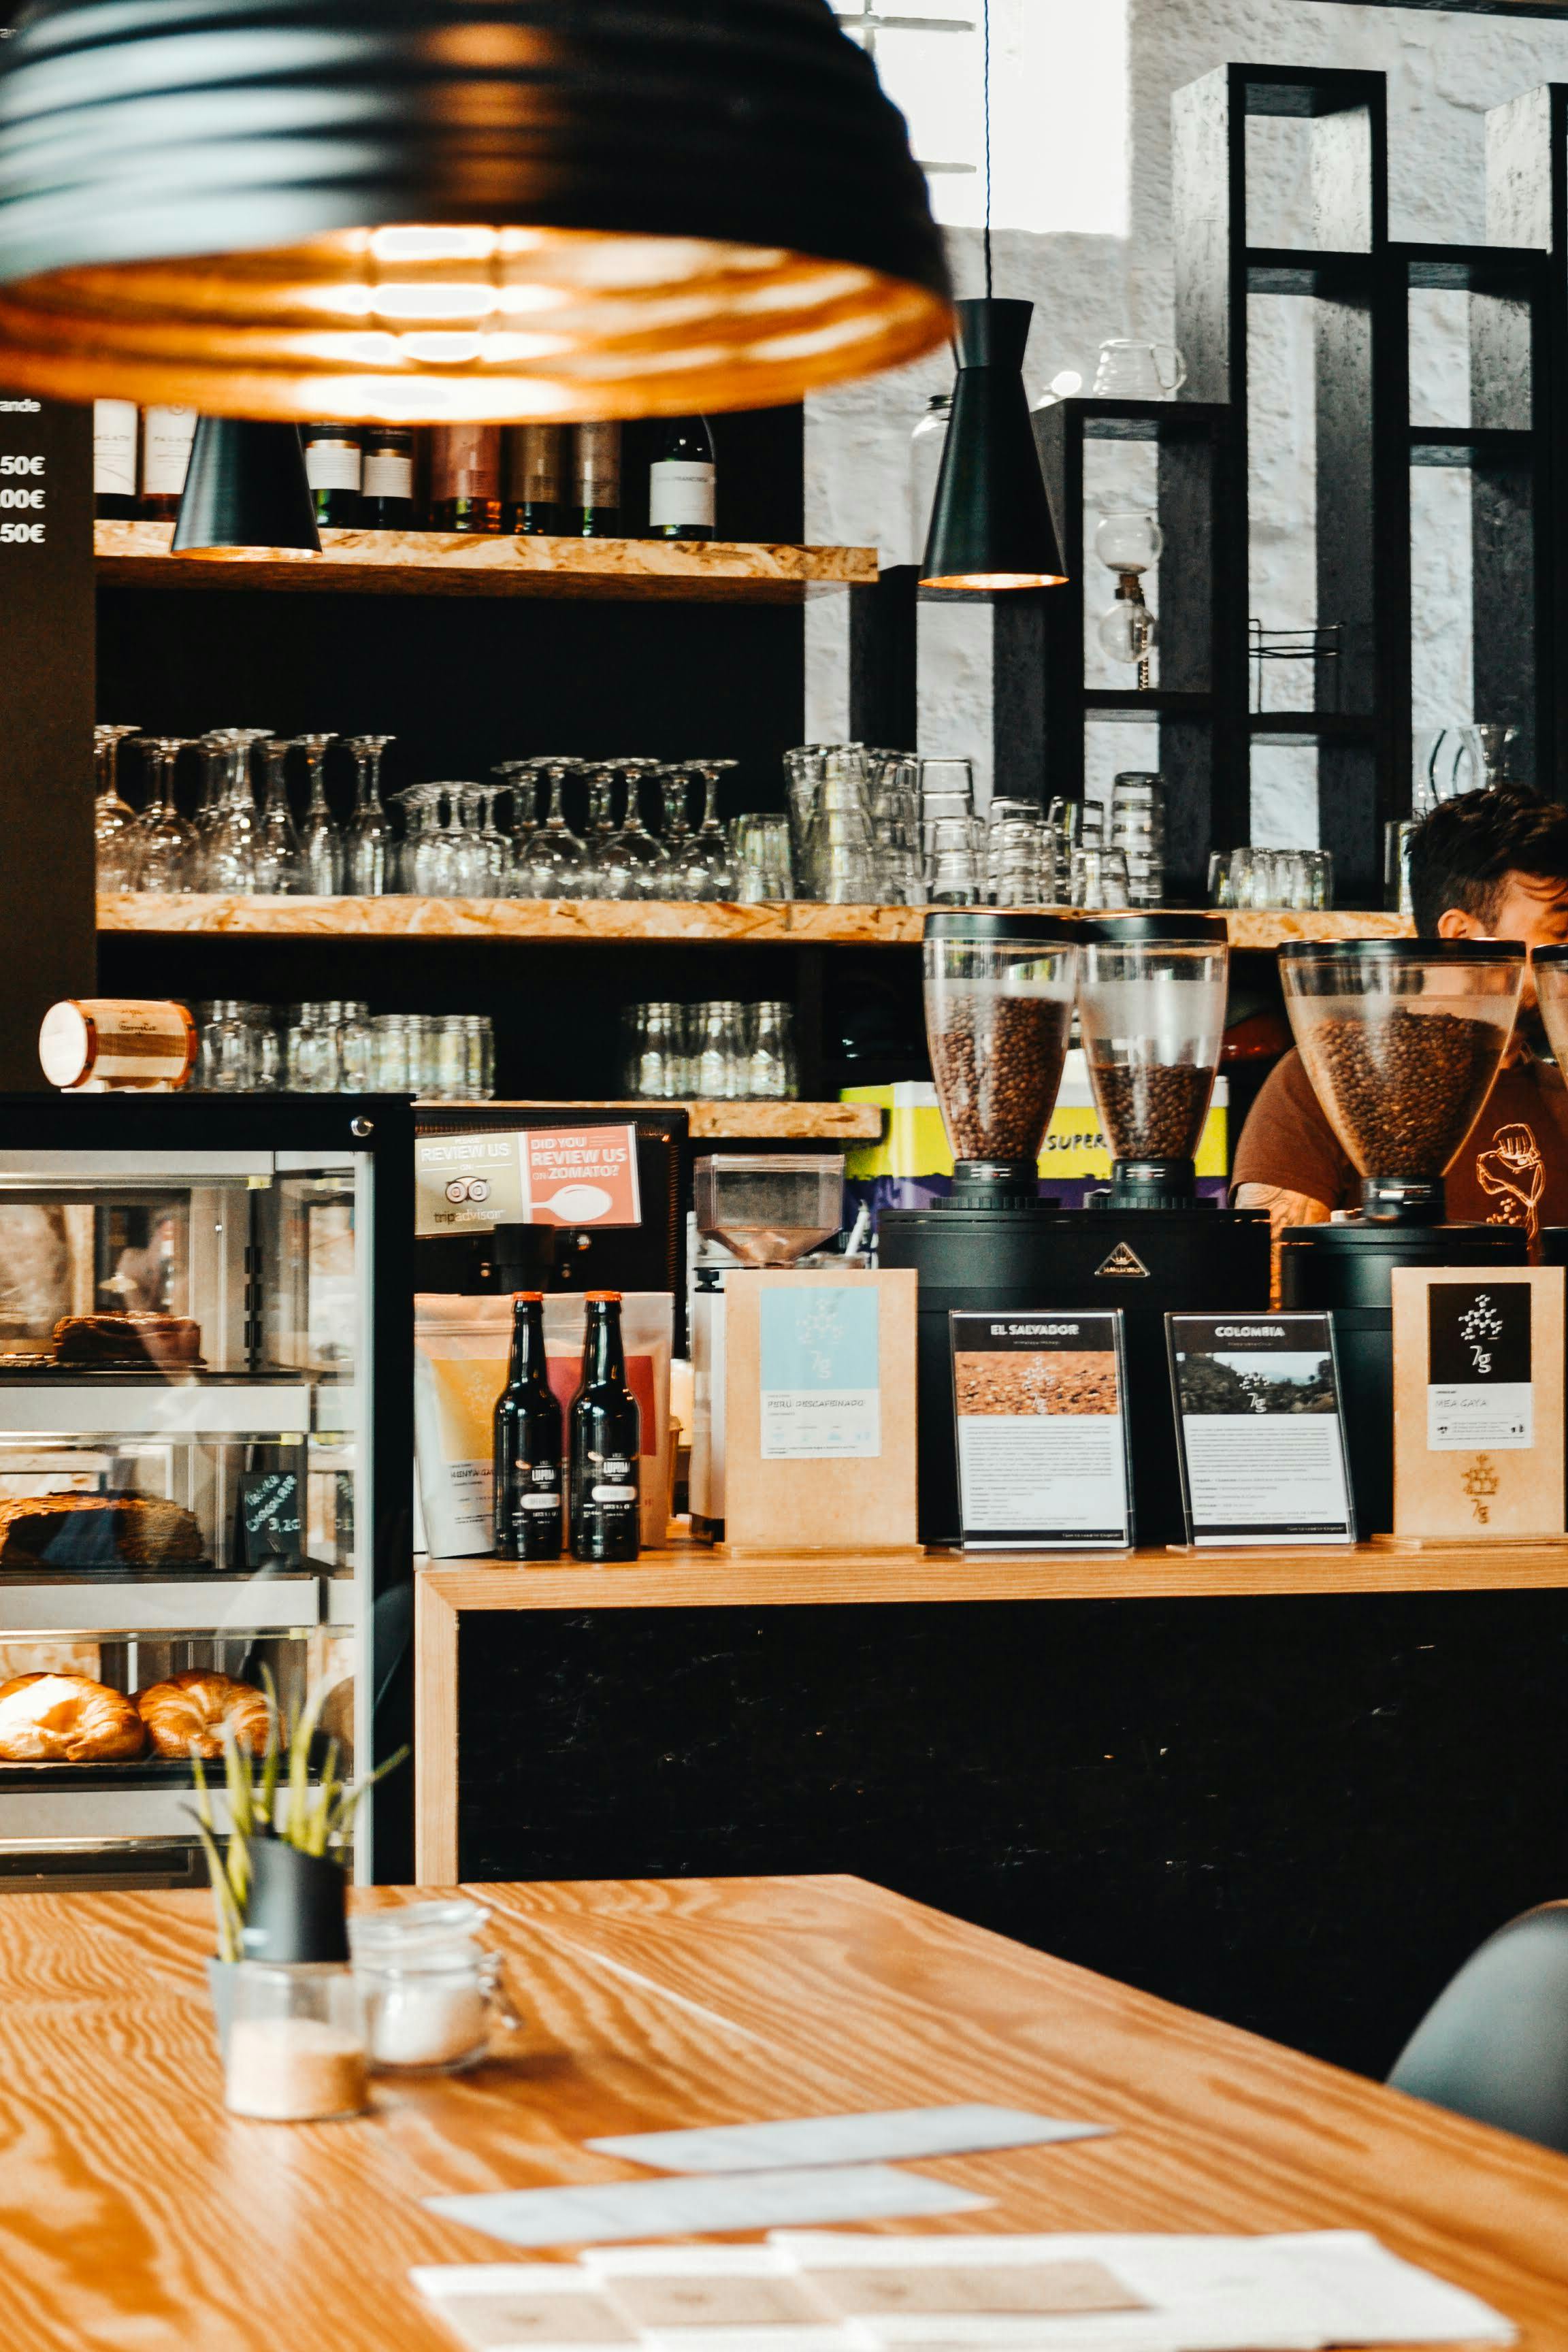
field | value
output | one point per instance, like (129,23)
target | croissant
(67,1719)
(185,1714)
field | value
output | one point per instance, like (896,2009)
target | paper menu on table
(502,2306)
(700,2297)
(681,2208)
(875,2137)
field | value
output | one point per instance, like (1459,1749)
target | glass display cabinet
(206,1442)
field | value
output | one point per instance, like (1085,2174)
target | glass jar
(480,1043)
(296,2046)
(392,1058)
(429,1990)
(356,1049)
(722,1052)
(770,1065)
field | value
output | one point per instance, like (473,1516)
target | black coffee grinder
(999,992)
(1402,1040)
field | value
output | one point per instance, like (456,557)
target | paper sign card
(876,2136)
(818,1353)
(1040,1401)
(1478,1401)
(526,1176)
(1261,1440)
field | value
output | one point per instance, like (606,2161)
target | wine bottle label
(388,474)
(114,448)
(465,462)
(541,1502)
(612,1494)
(680,495)
(334,464)
(166,437)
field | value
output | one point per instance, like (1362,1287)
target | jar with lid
(430,1991)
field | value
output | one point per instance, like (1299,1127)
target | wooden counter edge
(690,1576)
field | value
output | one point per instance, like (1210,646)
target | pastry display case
(205,1378)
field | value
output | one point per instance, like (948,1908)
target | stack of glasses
(341,1048)
(722,1051)
(1138,830)
(1301,878)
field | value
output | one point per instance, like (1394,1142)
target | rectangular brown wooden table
(137,2216)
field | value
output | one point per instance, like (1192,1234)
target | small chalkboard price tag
(269,1517)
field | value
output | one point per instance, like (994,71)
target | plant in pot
(278,1876)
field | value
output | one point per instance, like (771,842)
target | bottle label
(114,448)
(612,1494)
(166,437)
(334,464)
(388,474)
(541,1503)
(680,495)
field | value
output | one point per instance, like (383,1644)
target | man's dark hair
(1462,854)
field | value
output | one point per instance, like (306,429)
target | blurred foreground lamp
(247,490)
(411,211)
(991,525)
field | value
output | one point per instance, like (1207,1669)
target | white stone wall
(1444,72)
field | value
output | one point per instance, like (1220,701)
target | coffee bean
(1401,1093)
(997,1066)
(1151,1110)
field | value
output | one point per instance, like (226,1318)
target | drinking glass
(480,1043)
(654,1069)
(803,797)
(228,1057)
(554,863)
(601,825)
(114,819)
(771,1063)
(675,791)
(722,1051)
(233,840)
(631,862)
(295,2050)
(1098,878)
(395,1054)
(217,748)
(356,1049)
(320,835)
(368,845)
(489,850)
(1134,370)
(279,859)
(762,855)
(706,868)
(166,844)
(521,779)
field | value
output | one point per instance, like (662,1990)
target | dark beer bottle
(527,1444)
(606,1441)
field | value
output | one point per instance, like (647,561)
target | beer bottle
(606,1441)
(527,1444)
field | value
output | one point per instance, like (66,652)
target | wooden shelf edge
(136,555)
(831,1122)
(522,922)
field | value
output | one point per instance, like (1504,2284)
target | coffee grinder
(1402,1040)
(999,991)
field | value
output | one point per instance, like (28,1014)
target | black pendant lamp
(247,489)
(424,210)
(991,527)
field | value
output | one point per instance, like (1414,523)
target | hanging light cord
(985,73)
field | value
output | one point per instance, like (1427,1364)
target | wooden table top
(134,2212)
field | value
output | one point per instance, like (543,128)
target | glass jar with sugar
(430,1991)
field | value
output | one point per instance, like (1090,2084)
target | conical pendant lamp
(246,488)
(991,527)
(426,210)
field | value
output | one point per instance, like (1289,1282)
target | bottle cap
(528,1297)
(601,1298)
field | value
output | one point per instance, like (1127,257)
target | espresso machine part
(1402,1040)
(998,1007)
(994,1246)
(1150,1006)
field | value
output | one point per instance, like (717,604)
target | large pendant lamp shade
(991,526)
(418,210)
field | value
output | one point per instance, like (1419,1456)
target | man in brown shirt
(1488,865)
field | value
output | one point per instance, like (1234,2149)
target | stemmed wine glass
(279,860)
(487,850)
(231,861)
(368,842)
(706,868)
(114,820)
(166,843)
(524,799)
(632,864)
(319,837)
(554,863)
(600,826)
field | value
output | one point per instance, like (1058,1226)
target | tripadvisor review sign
(526,1176)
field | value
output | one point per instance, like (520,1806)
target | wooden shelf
(590,922)
(444,564)
(711,1122)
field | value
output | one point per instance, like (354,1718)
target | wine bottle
(527,1444)
(606,1441)
(596,510)
(386,500)
(535,480)
(682,480)
(167,434)
(335,468)
(114,429)
(464,477)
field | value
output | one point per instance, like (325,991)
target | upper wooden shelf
(449,563)
(801,922)
(748,1122)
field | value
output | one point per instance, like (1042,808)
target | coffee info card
(877,2138)
(681,2208)
(1040,1405)
(1261,1439)
(1478,1401)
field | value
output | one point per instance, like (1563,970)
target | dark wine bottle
(464,477)
(595,508)
(682,480)
(535,480)
(528,1450)
(606,1441)
(387,500)
(335,468)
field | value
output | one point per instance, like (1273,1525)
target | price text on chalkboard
(270,1515)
